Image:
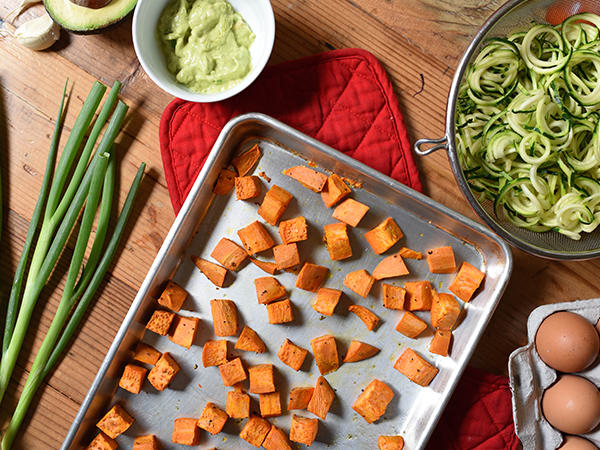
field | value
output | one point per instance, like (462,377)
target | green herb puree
(206,43)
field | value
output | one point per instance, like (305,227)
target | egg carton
(530,377)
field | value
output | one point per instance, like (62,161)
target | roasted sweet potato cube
(238,405)
(173,296)
(322,399)
(262,379)
(384,236)
(247,187)
(280,312)
(160,322)
(406,252)
(163,372)
(133,378)
(214,353)
(229,254)
(415,368)
(225,182)
(359,281)
(393,296)
(311,277)
(419,295)
(326,354)
(286,255)
(300,397)
(250,341)
(232,372)
(335,190)
(244,162)
(292,355)
(351,212)
(337,241)
(293,230)
(270,404)
(390,267)
(410,325)
(184,330)
(212,418)
(224,315)
(255,238)
(274,204)
(146,354)
(115,421)
(102,442)
(147,442)
(445,311)
(309,178)
(265,266)
(390,443)
(357,351)
(369,318)
(255,431)
(303,430)
(467,281)
(214,272)
(268,289)
(373,401)
(326,301)
(186,431)
(276,440)
(440,344)
(441,260)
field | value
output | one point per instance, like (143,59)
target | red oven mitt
(344,99)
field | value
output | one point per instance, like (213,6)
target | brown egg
(572,405)
(576,443)
(567,342)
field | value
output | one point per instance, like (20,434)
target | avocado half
(79,19)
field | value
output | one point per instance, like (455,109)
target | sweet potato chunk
(224,315)
(229,254)
(326,354)
(300,397)
(327,300)
(133,378)
(265,266)
(224,182)
(238,405)
(147,442)
(270,404)
(415,368)
(286,255)
(406,252)
(467,281)
(335,190)
(146,354)
(322,399)
(214,272)
(384,236)
(274,204)
(373,401)
(163,372)
(232,372)
(311,277)
(393,296)
(440,344)
(441,260)
(115,421)
(247,187)
(102,442)
(419,295)
(185,431)
(369,318)
(250,341)
(445,310)
(390,443)
(268,289)
(293,230)
(173,296)
(262,379)
(280,312)
(255,238)
(303,430)
(359,281)
(246,161)
(276,440)
(357,351)
(214,353)
(212,419)
(337,241)
(307,177)
(410,325)
(292,355)
(390,267)
(160,322)
(184,330)
(351,212)
(255,431)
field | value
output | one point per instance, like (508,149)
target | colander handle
(436,144)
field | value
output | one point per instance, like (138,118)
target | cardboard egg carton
(530,377)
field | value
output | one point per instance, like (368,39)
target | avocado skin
(99,27)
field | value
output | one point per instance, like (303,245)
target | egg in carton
(530,377)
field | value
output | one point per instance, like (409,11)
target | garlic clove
(39,33)
(24,4)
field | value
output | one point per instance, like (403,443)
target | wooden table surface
(415,40)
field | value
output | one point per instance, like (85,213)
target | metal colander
(516,15)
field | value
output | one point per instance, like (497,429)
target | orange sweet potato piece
(384,236)
(185,431)
(224,315)
(407,253)
(163,372)
(393,296)
(293,230)
(419,295)
(246,161)
(214,353)
(351,212)
(307,177)
(229,254)
(274,204)
(265,266)
(292,355)
(415,368)
(445,310)
(270,404)
(173,296)
(467,281)
(212,419)
(390,443)
(115,421)
(262,379)
(410,325)
(184,330)
(373,401)
(147,442)
(255,238)
(255,431)
(286,255)
(276,440)
(250,341)
(359,281)
(247,187)
(334,191)
(357,351)
(280,311)
(146,354)
(268,289)
(303,430)
(133,378)
(160,322)
(440,344)
(225,182)
(238,405)
(390,267)
(322,399)
(326,354)
(300,397)
(214,272)
(327,300)
(311,277)
(337,241)
(102,442)
(232,372)
(441,260)
(369,318)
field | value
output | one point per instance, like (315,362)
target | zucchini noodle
(528,126)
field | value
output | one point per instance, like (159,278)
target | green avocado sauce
(206,44)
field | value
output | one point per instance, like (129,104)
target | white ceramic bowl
(257,13)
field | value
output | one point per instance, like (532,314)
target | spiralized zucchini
(528,128)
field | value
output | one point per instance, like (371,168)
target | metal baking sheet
(205,218)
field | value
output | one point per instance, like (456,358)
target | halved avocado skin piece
(100,23)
